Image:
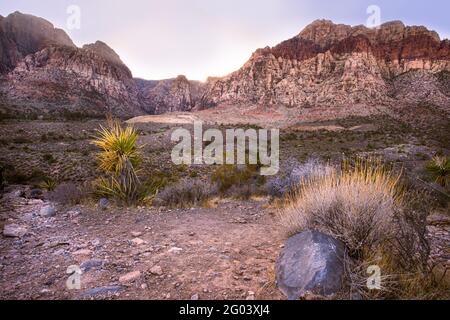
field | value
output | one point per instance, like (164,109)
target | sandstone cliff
(330,65)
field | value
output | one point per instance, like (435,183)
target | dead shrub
(67,194)
(186,193)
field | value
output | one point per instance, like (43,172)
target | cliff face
(22,34)
(170,95)
(329,64)
(325,65)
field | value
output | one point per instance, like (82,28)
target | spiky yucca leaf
(439,167)
(48,184)
(119,157)
(118,145)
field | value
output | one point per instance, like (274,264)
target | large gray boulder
(311,262)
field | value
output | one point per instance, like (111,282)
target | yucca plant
(119,157)
(439,167)
(48,184)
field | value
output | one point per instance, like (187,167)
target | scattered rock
(34,194)
(195,297)
(157,270)
(310,262)
(82,252)
(137,241)
(136,234)
(130,277)
(47,211)
(14,231)
(74,212)
(91,264)
(103,204)
(175,250)
(103,290)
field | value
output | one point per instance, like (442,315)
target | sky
(159,39)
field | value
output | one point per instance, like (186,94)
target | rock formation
(329,65)
(325,66)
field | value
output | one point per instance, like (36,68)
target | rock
(47,211)
(82,252)
(14,231)
(175,250)
(136,234)
(310,262)
(130,277)
(103,290)
(157,270)
(34,194)
(103,204)
(195,297)
(91,264)
(74,212)
(137,241)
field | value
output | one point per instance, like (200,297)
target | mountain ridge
(326,64)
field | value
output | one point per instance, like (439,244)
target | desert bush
(118,158)
(439,168)
(365,206)
(67,194)
(227,176)
(187,193)
(291,175)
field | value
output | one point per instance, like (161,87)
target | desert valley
(364,143)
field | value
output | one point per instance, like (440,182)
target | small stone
(130,277)
(103,290)
(74,212)
(144,286)
(191,234)
(91,264)
(136,234)
(103,203)
(137,241)
(175,250)
(157,270)
(82,252)
(195,297)
(252,297)
(14,231)
(47,211)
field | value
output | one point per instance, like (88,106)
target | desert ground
(225,248)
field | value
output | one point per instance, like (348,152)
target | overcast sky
(200,38)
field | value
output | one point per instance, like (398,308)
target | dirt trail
(226,252)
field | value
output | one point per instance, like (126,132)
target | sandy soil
(226,252)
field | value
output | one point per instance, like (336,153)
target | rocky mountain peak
(105,51)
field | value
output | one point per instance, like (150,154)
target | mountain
(327,70)
(43,72)
(331,65)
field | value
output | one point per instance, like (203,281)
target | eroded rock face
(22,34)
(329,65)
(311,262)
(179,94)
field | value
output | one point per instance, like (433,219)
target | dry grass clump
(357,205)
(365,206)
